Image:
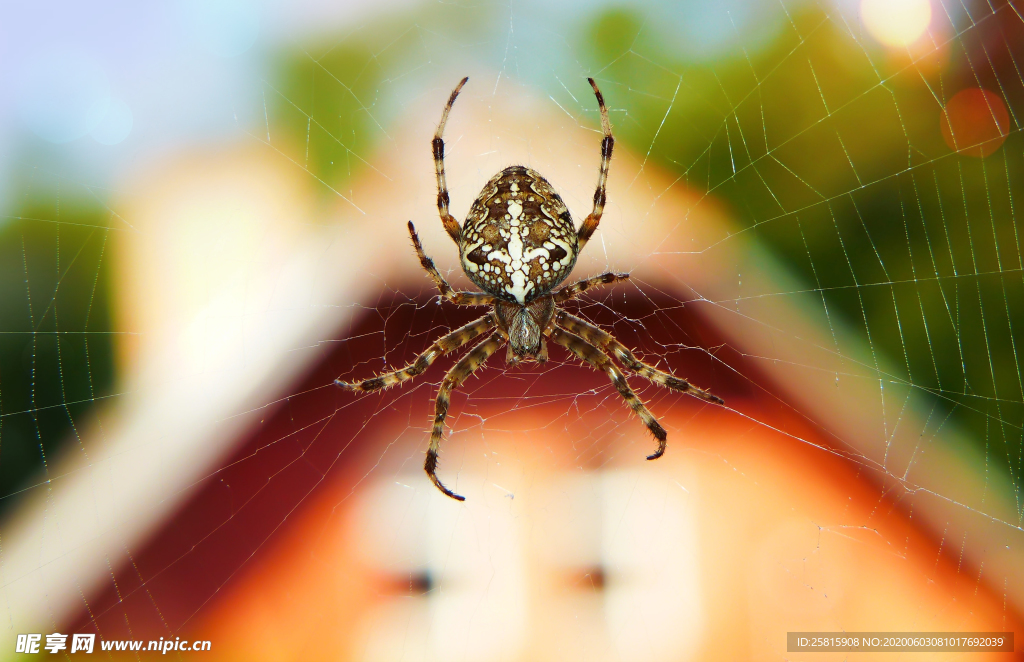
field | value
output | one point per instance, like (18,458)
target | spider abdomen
(519,241)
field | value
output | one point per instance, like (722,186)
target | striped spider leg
(600,195)
(458,374)
(451,226)
(454,340)
(570,292)
(607,342)
(600,361)
(589,343)
(447,292)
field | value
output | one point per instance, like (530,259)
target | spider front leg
(452,341)
(458,374)
(600,195)
(572,291)
(607,341)
(459,298)
(599,360)
(451,226)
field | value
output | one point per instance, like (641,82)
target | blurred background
(203,224)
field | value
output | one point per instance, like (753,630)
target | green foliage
(327,105)
(832,156)
(56,349)
(334,99)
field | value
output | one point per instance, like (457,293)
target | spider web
(807,239)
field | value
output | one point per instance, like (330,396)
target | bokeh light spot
(62,96)
(224,27)
(115,125)
(896,23)
(975,122)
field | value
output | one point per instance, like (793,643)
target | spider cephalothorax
(519,243)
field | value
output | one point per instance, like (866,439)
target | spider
(517,244)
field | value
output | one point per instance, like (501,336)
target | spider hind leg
(445,344)
(607,342)
(600,361)
(458,374)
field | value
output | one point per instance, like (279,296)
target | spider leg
(599,360)
(453,340)
(572,291)
(590,224)
(459,298)
(608,342)
(451,226)
(458,374)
